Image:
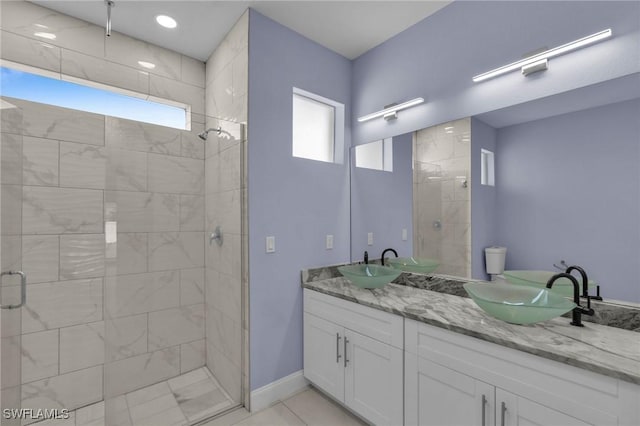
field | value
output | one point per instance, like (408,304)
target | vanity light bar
(391,110)
(556,51)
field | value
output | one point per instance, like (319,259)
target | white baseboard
(277,391)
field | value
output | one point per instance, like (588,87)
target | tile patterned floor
(308,407)
(182,400)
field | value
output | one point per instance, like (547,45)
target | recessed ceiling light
(48,36)
(147,65)
(166,21)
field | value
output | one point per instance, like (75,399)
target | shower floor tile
(180,401)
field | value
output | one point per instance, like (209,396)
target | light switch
(271,244)
(370,238)
(329,242)
(404,234)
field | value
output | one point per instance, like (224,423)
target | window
(318,127)
(376,155)
(54,91)
(487,173)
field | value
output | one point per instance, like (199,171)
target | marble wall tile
(11,353)
(39,355)
(81,346)
(225,334)
(192,355)
(220,102)
(132,253)
(11,219)
(39,161)
(192,286)
(176,250)
(11,259)
(212,173)
(191,213)
(226,372)
(125,337)
(230,168)
(175,326)
(31,52)
(96,69)
(82,256)
(91,415)
(40,258)
(51,122)
(224,292)
(11,158)
(10,116)
(82,166)
(72,33)
(61,210)
(191,145)
(175,174)
(139,371)
(240,72)
(126,170)
(62,304)
(128,51)
(134,294)
(144,137)
(224,209)
(144,211)
(71,390)
(169,88)
(192,71)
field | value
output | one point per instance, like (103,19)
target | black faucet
(585,284)
(576,314)
(366,258)
(386,250)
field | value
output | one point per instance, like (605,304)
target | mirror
(567,187)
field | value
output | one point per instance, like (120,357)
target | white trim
(277,391)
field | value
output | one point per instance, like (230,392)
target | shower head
(204,135)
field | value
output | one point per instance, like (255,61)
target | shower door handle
(23,289)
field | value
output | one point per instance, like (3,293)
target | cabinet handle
(346,341)
(503,409)
(338,347)
(484,409)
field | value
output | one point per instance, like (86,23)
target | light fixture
(48,36)
(391,112)
(147,65)
(538,62)
(166,21)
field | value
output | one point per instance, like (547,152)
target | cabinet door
(437,395)
(514,410)
(373,379)
(323,355)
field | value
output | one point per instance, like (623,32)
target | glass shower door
(10,263)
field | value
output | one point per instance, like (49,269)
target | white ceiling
(349,28)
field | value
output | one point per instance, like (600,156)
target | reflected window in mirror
(318,127)
(376,155)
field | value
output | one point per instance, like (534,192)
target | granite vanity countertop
(606,350)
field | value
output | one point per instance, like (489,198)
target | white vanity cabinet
(453,379)
(355,354)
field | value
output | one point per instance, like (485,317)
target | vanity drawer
(379,325)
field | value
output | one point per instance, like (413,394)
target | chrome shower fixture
(204,135)
(110,4)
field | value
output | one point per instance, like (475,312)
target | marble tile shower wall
(442,206)
(134,307)
(225,200)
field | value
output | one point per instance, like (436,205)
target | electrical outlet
(329,242)
(370,238)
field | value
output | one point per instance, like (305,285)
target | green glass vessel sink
(518,304)
(562,286)
(369,276)
(413,264)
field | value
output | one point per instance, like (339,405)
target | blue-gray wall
(437,58)
(568,187)
(483,199)
(296,200)
(382,203)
